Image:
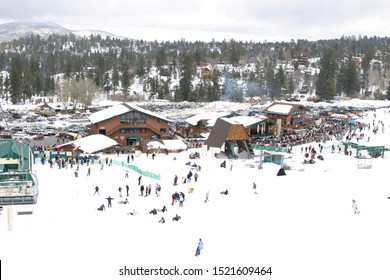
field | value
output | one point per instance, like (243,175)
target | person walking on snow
(354,206)
(199,248)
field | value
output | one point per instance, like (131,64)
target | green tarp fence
(138,170)
(270,148)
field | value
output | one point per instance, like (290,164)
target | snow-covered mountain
(14,30)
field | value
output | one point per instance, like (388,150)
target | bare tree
(80,91)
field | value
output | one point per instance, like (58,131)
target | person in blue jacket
(199,248)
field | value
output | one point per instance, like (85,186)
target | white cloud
(205,20)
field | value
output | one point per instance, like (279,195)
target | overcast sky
(247,20)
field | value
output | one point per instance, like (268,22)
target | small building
(291,115)
(90,144)
(129,124)
(201,123)
(230,138)
(255,126)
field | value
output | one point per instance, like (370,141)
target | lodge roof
(121,109)
(282,108)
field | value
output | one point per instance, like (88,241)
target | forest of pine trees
(76,68)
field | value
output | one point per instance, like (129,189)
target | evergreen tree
(16,79)
(1,87)
(348,79)
(214,91)
(368,55)
(325,83)
(115,78)
(140,71)
(388,92)
(125,81)
(186,71)
(290,85)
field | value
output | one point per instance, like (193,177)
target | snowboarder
(199,247)
(109,199)
(225,192)
(162,220)
(176,218)
(354,206)
(102,208)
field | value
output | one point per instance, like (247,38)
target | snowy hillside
(302,225)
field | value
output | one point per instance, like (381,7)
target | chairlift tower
(18,183)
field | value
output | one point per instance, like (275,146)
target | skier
(162,220)
(139,180)
(89,171)
(127,190)
(207,197)
(199,248)
(96,190)
(196,176)
(175,180)
(354,206)
(142,188)
(126,173)
(120,191)
(254,188)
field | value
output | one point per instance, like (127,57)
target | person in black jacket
(109,199)
(102,208)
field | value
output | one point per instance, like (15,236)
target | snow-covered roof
(280,108)
(155,145)
(210,116)
(248,121)
(120,109)
(92,144)
(175,144)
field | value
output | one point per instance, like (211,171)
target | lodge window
(133,117)
(163,130)
(132,130)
